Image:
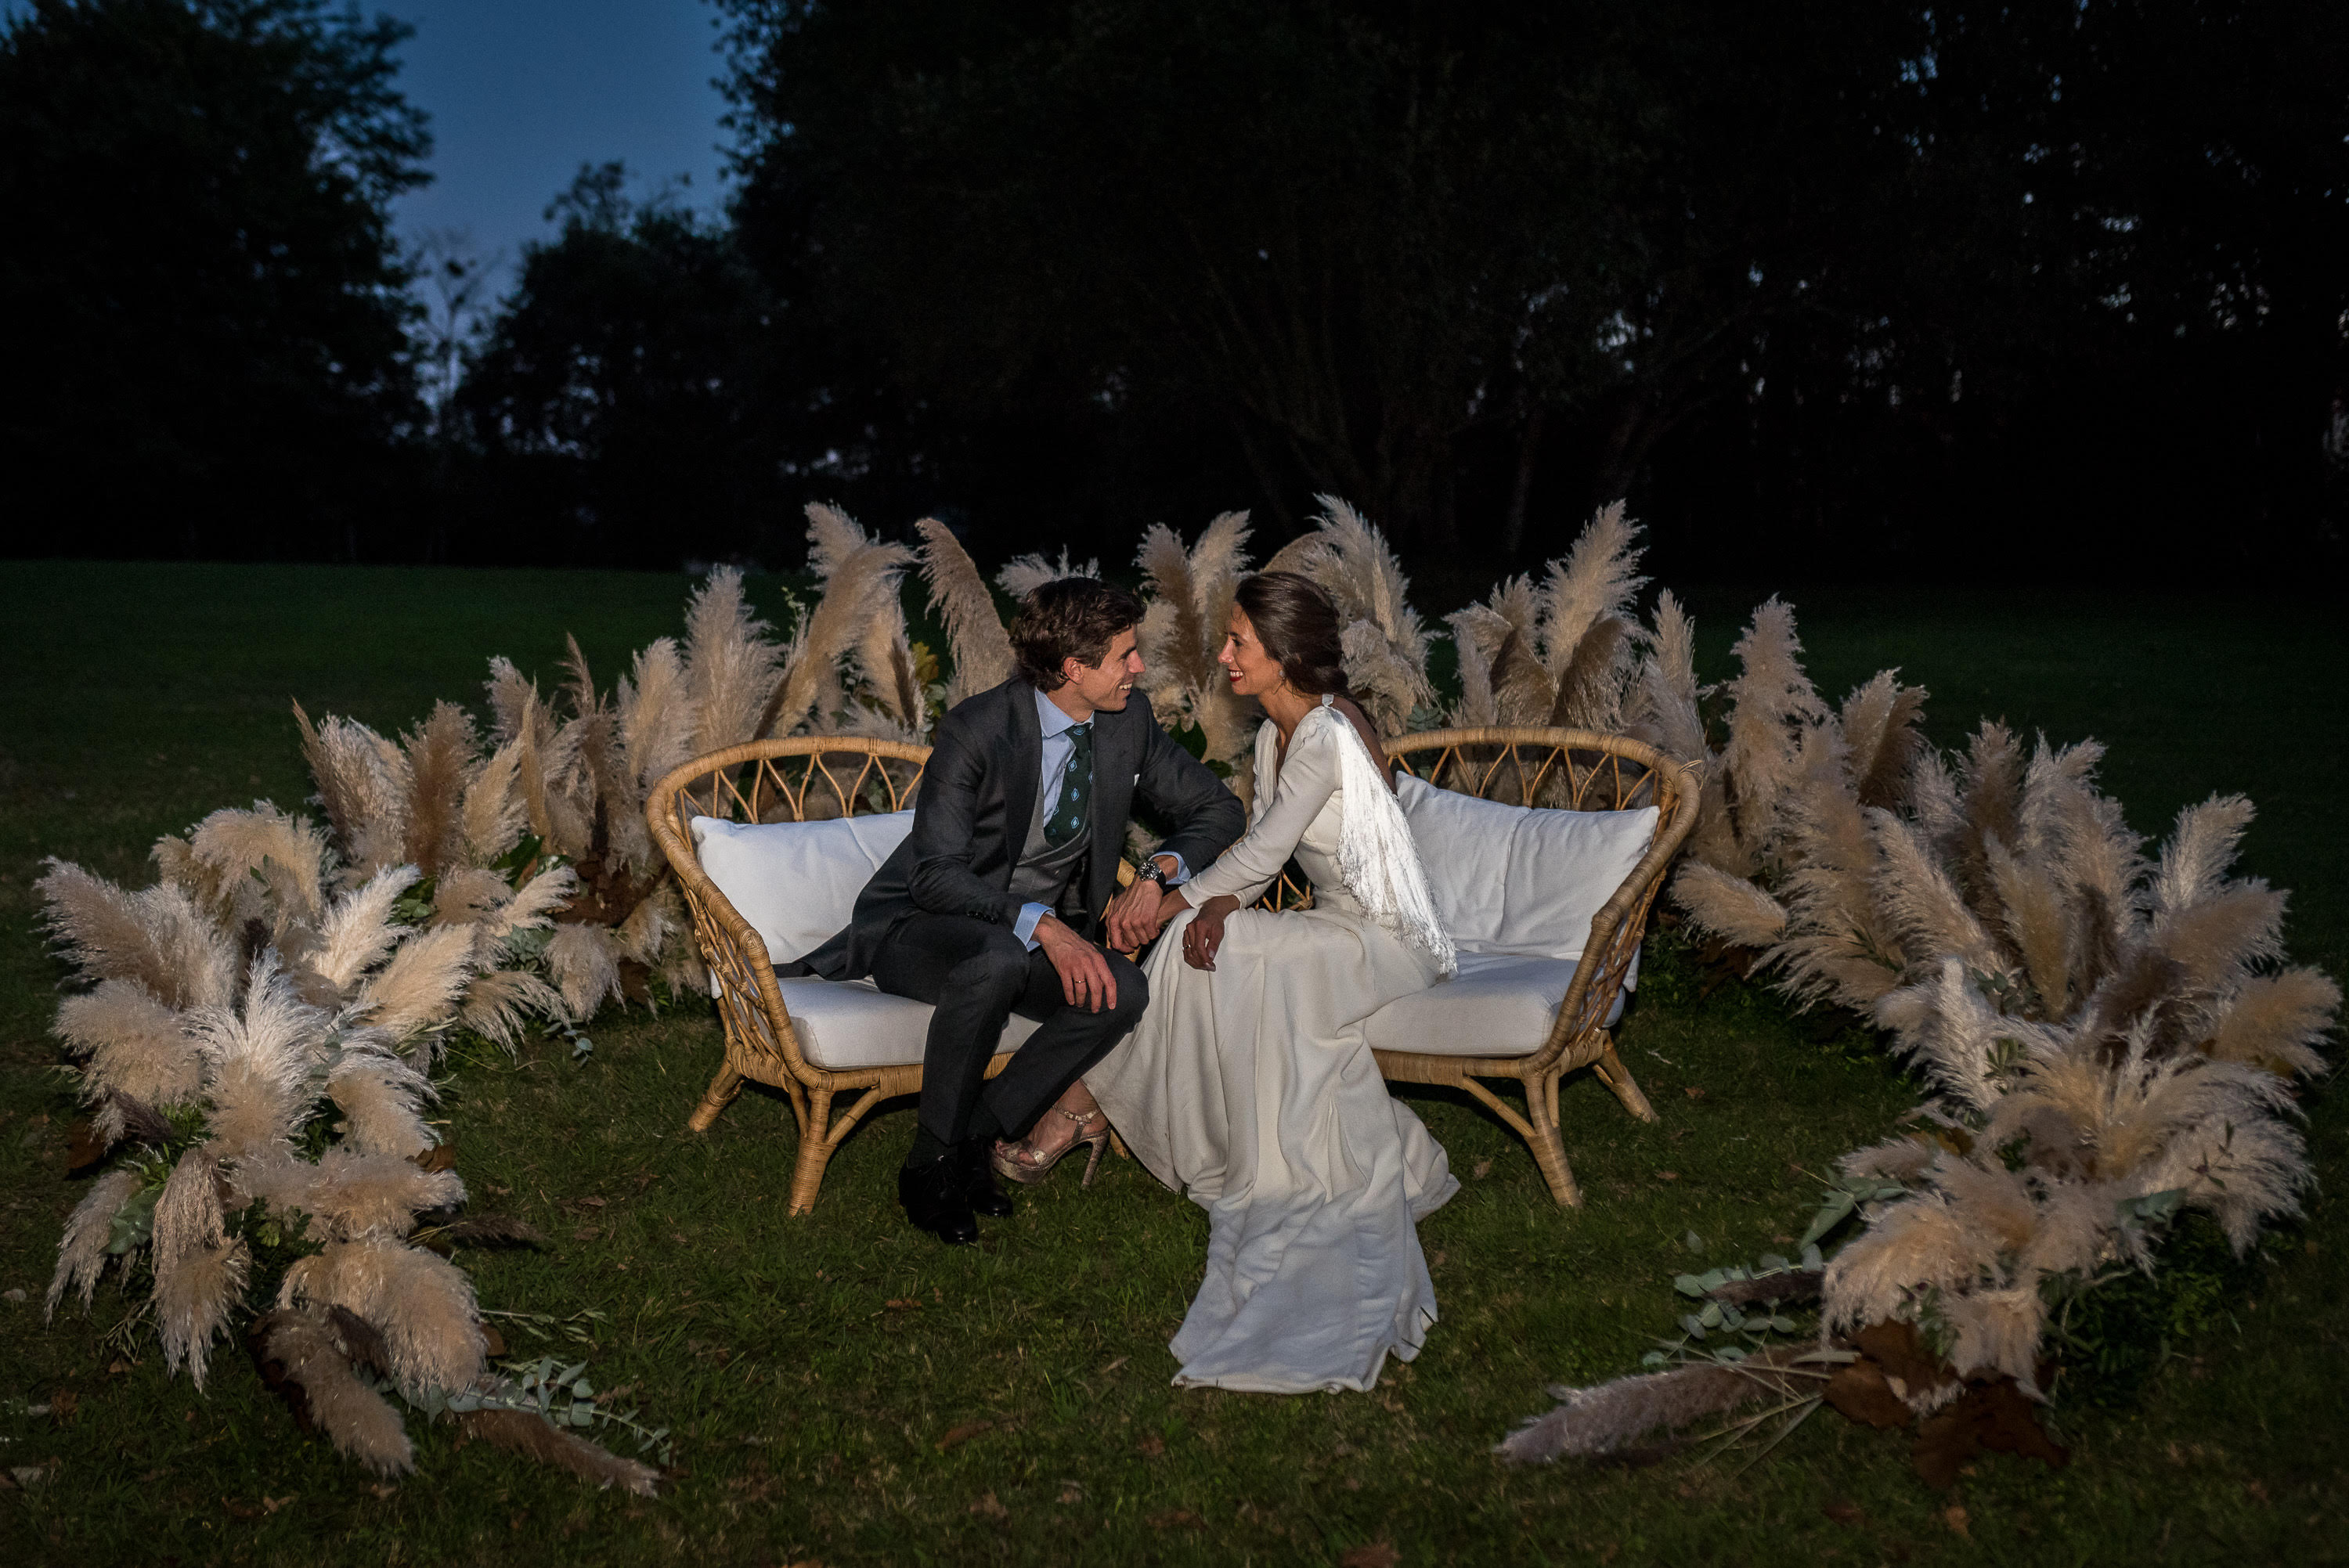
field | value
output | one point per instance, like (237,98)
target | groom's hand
(1135,915)
(1085,979)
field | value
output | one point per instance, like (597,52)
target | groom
(998,899)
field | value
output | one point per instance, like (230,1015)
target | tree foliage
(1471,265)
(208,347)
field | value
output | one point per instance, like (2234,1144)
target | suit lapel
(1022,770)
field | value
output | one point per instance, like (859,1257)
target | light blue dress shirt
(1055,725)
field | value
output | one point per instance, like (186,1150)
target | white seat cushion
(845,1024)
(1501,1005)
(796,882)
(1520,880)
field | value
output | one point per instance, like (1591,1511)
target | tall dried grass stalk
(1023,575)
(1592,1422)
(356,1420)
(1183,630)
(732,664)
(1384,641)
(975,632)
(422,1305)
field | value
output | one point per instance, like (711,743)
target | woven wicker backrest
(806,778)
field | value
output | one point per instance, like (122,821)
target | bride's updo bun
(1298,624)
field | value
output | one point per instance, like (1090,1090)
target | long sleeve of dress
(1308,776)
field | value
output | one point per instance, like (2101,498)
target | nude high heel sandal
(1020,1161)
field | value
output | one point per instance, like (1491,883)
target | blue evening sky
(523,92)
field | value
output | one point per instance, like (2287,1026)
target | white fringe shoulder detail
(1376,854)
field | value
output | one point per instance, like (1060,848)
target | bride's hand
(1205,934)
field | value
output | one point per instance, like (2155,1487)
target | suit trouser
(976,974)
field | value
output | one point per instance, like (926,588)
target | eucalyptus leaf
(1688,1284)
(1838,1204)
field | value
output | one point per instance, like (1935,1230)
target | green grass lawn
(810,1367)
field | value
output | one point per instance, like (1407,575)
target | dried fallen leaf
(1114,1366)
(63,1403)
(1378,1554)
(1843,1512)
(1668,1175)
(585,1233)
(957,1436)
(901,1303)
(1484,1168)
(238,1509)
(384,1489)
(1071,1491)
(1151,1446)
(1174,1518)
(1694,1091)
(1954,1516)
(988,1507)
(440,1156)
(271,1504)
(1858,1392)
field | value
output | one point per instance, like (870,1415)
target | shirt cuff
(1182,872)
(1024,928)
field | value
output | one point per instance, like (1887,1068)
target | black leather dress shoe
(935,1199)
(978,1179)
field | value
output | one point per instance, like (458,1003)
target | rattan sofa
(819,779)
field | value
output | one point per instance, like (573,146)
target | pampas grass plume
(134,1045)
(580,960)
(382,1099)
(359,930)
(356,1420)
(422,985)
(257,1062)
(81,1249)
(731,662)
(2277,1021)
(1730,907)
(1601,1419)
(975,632)
(194,1301)
(355,1194)
(421,1305)
(157,937)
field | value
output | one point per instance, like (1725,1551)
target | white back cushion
(1521,879)
(796,882)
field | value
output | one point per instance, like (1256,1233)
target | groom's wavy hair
(1300,627)
(1069,618)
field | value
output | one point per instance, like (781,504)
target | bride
(1247,1083)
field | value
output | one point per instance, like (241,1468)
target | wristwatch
(1152,871)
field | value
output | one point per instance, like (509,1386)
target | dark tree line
(205,333)
(1823,288)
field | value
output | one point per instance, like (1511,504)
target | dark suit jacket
(979,795)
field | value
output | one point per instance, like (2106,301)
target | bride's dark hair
(1298,624)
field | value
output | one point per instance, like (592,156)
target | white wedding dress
(1250,1088)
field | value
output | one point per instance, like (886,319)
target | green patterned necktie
(1067,818)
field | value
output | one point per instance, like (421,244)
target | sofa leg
(722,1089)
(1617,1077)
(1548,1146)
(815,1151)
